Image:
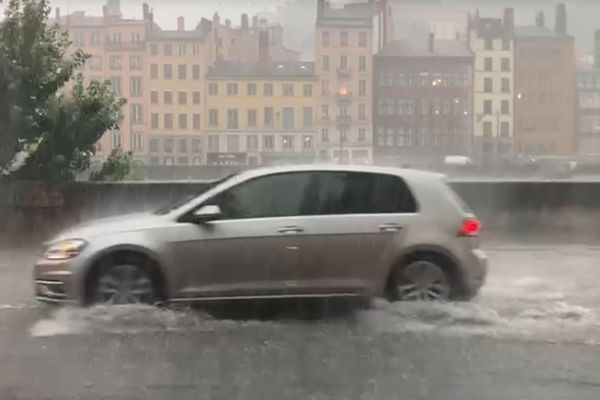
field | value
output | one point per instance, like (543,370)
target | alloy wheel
(124,284)
(422,281)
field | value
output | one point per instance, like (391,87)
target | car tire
(420,279)
(123,279)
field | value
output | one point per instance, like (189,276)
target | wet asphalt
(533,333)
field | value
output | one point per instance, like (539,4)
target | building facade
(491,40)
(545,101)
(344,45)
(588,104)
(422,101)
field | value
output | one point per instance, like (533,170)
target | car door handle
(290,229)
(391,227)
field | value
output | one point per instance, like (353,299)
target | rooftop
(491,28)
(534,31)
(441,48)
(252,69)
(353,14)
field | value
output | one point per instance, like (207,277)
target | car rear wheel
(420,280)
(124,282)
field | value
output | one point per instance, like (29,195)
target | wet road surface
(533,333)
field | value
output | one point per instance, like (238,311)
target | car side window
(278,195)
(362,193)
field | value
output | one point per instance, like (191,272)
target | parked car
(280,232)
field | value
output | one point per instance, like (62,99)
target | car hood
(121,223)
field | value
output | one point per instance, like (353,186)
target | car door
(359,222)
(251,248)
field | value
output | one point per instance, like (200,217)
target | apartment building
(588,104)
(492,42)
(422,101)
(545,100)
(344,63)
(260,112)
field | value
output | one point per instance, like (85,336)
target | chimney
(320,8)
(57,14)
(264,59)
(561,19)
(255,21)
(540,19)
(105,12)
(245,22)
(180,24)
(509,18)
(228,23)
(114,7)
(216,20)
(145,11)
(431,46)
(597,48)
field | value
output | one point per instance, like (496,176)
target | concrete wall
(517,211)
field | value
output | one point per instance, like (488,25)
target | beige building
(492,42)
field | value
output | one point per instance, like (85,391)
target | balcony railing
(344,97)
(344,73)
(343,120)
(114,45)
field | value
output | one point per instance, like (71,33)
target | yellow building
(260,113)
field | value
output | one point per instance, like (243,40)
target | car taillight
(470,227)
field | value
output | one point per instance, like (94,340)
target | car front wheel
(123,281)
(420,280)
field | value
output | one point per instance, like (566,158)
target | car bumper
(55,282)
(477,269)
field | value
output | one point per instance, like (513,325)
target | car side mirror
(206,214)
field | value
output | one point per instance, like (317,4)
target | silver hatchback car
(281,232)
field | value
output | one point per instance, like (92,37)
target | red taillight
(470,227)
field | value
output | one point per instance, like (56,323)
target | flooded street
(533,332)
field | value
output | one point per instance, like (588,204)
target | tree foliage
(117,167)
(44,111)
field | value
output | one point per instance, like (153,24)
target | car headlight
(65,249)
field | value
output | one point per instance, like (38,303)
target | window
(167,49)
(307,142)
(233,143)
(135,63)
(196,145)
(168,97)
(487,107)
(154,145)
(487,85)
(196,98)
(168,145)
(196,72)
(154,121)
(95,39)
(504,129)
(135,86)
(182,71)
(325,87)
(362,111)
(325,63)
(168,121)
(287,142)
(232,89)
(213,89)
(136,37)
(213,142)
(362,63)
(115,62)
(489,44)
(362,87)
(268,142)
(251,89)
(505,85)
(153,71)
(168,71)
(182,121)
(343,39)
(196,122)
(115,140)
(504,107)
(278,195)
(232,118)
(361,134)
(307,89)
(115,83)
(116,37)
(213,117)
(488,64)
(78,38)
(307,117)
(195,49)
(154,97)
(505,44)
(288,117)
(182,97)
(181,49)
(288,89)
(252,117)
(325,111)
(325,135)
(252,143)
(153,49)
(343,62)
(362,39)
(325,38)
(268,89)
(487,129)
(95,63)
(268,116)
(182,148)
(360,193)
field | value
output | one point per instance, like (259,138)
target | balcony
(343,121)
(344,73)
(343,96)
(124,46)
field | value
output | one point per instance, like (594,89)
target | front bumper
(55,282)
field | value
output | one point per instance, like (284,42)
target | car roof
(403,172)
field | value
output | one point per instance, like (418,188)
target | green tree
(56,122)
(117,167)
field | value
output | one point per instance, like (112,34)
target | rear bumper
(476,269)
